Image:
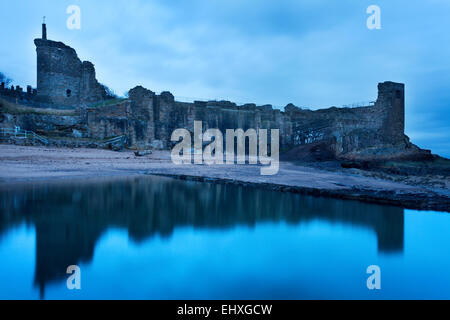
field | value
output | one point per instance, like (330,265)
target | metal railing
(115,139)
(21,134)
(359,104)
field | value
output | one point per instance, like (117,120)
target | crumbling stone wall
(107,121)
(354,129)
(62,79)
(90,89)
(379,127)
(148,119)
(141,121)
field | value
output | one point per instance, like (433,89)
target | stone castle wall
(62,79)
(148,119)
(154,117)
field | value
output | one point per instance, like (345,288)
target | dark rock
(142,153)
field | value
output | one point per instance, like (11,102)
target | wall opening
(68,93)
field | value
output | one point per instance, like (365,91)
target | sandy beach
(25,164)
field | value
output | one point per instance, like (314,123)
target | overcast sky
(313,53)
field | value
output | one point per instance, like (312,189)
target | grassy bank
(12,108)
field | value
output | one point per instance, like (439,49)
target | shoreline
(413,202)
(34,165)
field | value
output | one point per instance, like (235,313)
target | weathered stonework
(349,131)
(107,122)
(148,120)
(62,79)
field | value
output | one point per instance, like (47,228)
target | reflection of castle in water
(70,219)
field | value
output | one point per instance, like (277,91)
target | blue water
(158,238)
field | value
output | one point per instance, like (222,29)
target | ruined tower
(391,105)
(62,79)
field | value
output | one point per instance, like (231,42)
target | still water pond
(158,238)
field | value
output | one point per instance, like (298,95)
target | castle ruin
(62,78)
(147,119)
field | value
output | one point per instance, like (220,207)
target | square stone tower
(62,79)
(391,105)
